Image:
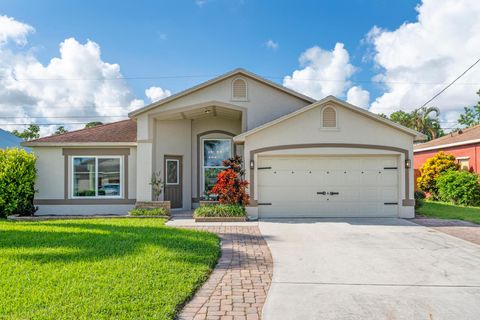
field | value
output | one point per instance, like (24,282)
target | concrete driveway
(369,269)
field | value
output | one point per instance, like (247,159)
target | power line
(211,76)
(64,117)
(450,84)
(41,124)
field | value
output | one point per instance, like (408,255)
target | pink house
(464,145)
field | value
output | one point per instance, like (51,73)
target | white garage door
(313,186)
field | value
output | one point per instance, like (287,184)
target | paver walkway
(238,286)
(457,228)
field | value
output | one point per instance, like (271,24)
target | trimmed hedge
(148,212)
(17,182)
(220,210)
(459,187)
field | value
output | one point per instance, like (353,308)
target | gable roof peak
(222,77)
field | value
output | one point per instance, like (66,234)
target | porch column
(145,151)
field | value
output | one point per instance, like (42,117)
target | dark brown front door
(173,180)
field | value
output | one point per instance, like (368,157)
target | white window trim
(178,172)
(72,173)
(233,98)
(462,158)
(203,167)
(336,128)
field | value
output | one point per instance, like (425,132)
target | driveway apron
(369,269)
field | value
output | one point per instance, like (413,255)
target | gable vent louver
(239,89)
(329,118)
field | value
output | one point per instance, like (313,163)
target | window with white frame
(214,152)
(464,163)
(97,177)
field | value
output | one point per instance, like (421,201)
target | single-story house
(303,158)
(8,140)
(463,144)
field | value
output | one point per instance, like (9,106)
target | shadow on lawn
(94,242)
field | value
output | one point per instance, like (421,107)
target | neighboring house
(302,157)
(8,140)
(464,145)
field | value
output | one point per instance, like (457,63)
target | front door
(173,181)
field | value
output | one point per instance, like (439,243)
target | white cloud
(13,30)
(157,93)
(324,72)
(358,97)
(76,83)
(419,58)
(271,44)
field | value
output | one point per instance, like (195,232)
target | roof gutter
(448,145)
(78,144)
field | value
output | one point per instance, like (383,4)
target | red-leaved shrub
(230,186)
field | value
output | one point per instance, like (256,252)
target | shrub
(419,198)
(459,187)
(231,186)
(220,210)
(17,182)
(148,212)
(431,170)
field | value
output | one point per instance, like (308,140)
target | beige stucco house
(303,158)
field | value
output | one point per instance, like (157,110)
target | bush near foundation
(432,169)
(459,187)
(17,182)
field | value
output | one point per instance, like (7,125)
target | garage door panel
(362,185)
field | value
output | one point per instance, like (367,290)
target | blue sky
(201,39)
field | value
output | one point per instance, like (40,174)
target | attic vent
(329,118)
(239,89)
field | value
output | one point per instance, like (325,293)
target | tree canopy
(30,133)
(424,120)
(471,115)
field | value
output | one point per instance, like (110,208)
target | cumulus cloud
(271,44)
(358,97)
(157,93)
(323,72)
(13,30)
(419,58)
(76,83)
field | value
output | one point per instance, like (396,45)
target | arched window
(239,89)
(329,117)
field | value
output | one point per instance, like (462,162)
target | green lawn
(449,211)
(100,269)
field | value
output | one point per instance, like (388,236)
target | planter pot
(220,219)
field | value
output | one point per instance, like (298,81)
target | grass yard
(100,269)
(449,211)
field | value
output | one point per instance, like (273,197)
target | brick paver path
(457,228)
(238,286)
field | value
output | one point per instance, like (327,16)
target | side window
(464,164)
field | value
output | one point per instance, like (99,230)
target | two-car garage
(330,159)
(327,186)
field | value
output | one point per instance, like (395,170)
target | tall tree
(61,130)
(471,115)
(93,124)
(424,120)
(32,132)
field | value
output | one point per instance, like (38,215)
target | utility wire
(450,84)
(212,76)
